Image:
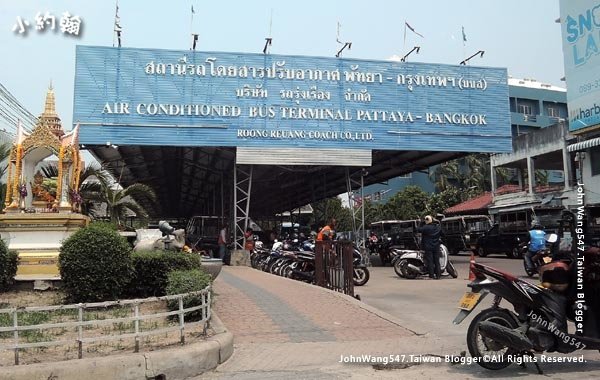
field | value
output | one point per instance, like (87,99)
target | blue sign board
(129,96)
(580,22)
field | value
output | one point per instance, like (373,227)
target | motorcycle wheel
(451,270)
(515,254)
(360,276)
(397,268)
(530,272)
(405,270)
(485,348)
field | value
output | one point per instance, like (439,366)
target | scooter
(360,275)
(411,263)
(498,336)
(541,257)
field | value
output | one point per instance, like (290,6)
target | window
(595,160)
(525,109)
(553,112)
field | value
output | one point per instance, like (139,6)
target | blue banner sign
(131,96)
(580,22)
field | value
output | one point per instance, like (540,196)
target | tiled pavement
(287,330)
(284,329)
(259,307)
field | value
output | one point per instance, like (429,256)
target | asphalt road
(428,307)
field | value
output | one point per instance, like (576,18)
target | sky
(519,35)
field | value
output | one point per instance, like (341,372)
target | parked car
(403,233)
(461,233)
(512,228)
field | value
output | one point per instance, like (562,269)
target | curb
(171,363)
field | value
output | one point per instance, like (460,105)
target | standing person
(249,240)
(223,242)
(430,240)
(327,232)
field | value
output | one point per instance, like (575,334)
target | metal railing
(334,266)
(80,324)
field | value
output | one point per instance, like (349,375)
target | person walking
(430,241)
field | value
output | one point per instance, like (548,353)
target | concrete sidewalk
(287,329)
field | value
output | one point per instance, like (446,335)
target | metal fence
(333,265)
(16,328)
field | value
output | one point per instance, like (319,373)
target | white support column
(493,176)
(530,174)
(358,212)
(242,182)
(567,167)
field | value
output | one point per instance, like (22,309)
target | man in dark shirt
(430,242)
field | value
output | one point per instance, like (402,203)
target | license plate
(547,260)
(468,301)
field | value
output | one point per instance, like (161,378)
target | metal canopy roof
(190,180)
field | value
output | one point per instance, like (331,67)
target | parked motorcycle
(411,263)
(541,257)
(299,263)
(498,336)
(360,275)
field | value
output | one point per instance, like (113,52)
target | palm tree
(446,174)
(121,200)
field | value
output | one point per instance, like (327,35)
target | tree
(447,174)
(326,209)
(5,150)
(439,202)
(410,203)
(121,200)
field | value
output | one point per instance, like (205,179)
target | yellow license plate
(547,260)
(468,301)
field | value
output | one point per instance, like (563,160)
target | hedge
(95,265)
(8,266)
(151,270)
(184,281)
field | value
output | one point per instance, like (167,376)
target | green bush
(184,281)
(8,266)
(152,268)
(95,265)
(102,224)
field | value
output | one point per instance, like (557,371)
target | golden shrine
(38,216)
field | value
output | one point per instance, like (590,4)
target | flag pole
(115,23)
(271,24)
(404,45)
(192,22)
(464,40)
